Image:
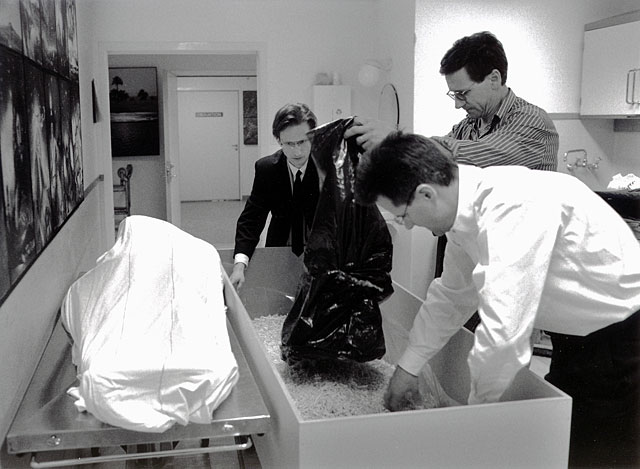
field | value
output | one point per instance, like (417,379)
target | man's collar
(505,104)
(294,170)
(467,182)
(503,107)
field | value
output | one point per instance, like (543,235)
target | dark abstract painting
(11,25)
(16,166)
(40,144)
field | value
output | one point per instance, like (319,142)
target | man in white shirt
(525,249)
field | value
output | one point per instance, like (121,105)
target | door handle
(169,171)
(630,97)
(235,147)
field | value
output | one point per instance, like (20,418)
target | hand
(369,132)
(237,275)
(402,392)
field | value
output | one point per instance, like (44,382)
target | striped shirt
(520,134)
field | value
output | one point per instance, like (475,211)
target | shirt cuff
(411,362)
(242,258)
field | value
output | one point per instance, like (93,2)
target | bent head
(412,177)
(475,69)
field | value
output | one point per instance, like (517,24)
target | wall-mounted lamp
(371,70)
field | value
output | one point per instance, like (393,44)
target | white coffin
(528,429)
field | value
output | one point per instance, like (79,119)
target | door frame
(169,141)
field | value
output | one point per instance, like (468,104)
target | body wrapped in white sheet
(148,324)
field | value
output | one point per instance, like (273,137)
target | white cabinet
(331,102)
(611,69)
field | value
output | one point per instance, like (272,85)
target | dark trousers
(473,322)
(601,372)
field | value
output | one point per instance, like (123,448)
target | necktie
(297,243)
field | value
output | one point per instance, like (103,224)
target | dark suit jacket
(271,192)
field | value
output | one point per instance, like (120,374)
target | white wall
(301,38)
(543,41)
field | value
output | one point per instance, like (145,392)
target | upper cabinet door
(611,71)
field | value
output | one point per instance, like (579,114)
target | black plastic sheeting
(347,260)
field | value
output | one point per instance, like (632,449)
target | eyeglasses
(461,95)
(294,145)
(399,219)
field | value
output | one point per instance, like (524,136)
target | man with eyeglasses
(286,186)
(526,249)
(500,128)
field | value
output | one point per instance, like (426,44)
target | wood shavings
(337,388)
(327,389)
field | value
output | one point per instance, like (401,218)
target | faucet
(580,162)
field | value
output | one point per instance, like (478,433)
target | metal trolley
(48,422)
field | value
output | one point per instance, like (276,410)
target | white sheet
(149,331)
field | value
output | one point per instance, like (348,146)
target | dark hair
(292,114)
(397,165)
(479,54)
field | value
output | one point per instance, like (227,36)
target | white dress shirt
(527,249)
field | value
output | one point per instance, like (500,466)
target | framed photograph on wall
(133,99)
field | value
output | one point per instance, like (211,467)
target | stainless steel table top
(48,420)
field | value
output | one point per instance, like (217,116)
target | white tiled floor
(214,221)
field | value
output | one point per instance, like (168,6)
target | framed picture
(41,174)
(250,117)
(133,98)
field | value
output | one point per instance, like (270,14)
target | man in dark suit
(292,203)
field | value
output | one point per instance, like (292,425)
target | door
(208,128)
